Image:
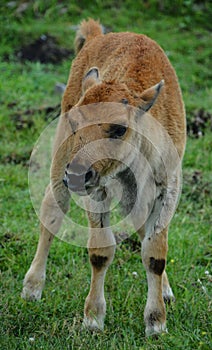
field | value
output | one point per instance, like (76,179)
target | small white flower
(135,274)
(31,339)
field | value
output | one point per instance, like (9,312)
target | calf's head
(102,126)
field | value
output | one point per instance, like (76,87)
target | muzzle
(80,179)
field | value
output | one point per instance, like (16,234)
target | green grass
(55,321)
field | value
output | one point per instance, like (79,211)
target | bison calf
(121,133)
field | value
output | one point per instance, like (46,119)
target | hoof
(31,294)
(156,330)
(32,291)
(168,296)
(94,324)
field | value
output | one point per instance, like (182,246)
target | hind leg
(154,251)
(51,219)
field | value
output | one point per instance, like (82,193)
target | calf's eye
(117,131)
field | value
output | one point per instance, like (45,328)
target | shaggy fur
(122,91)
(128,64)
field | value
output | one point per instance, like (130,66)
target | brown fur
(125,69)
(112,54)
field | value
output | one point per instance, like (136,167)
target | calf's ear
(149,96)
(91,78)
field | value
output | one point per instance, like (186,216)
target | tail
(87,31)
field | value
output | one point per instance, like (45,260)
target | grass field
(28,102)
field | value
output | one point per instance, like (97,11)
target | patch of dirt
(24,119)
(200,121)
(45,49)
(23,122)
(131,242)
(195,187)
(15,158)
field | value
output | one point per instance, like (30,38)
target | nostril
(88,176)
(65,182)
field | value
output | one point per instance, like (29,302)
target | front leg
(101,248)
(168,295)
(51,219)
(36,275)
